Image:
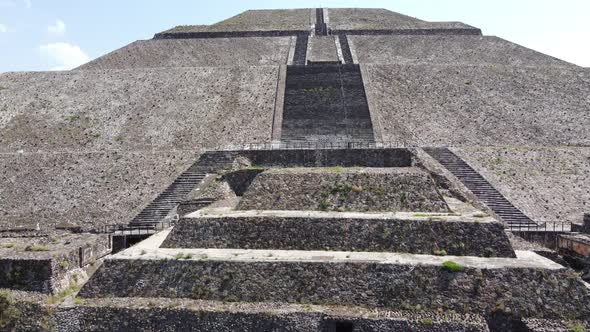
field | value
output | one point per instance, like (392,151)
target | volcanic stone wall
(379,21)
(403,189)
(425,235)
(255,20)
(356,283)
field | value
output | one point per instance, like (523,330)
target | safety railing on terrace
(136,229)
(545,234)
(319,145)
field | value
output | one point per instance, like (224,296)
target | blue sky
(60,34)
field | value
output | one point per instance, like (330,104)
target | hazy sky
(61,34)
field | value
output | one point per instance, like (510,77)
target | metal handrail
(312,145)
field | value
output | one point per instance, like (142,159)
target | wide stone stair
(477,184)
(326,103)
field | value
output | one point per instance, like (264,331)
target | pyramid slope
(547,183)
(491,105)
(453,50)
(95,147)
(223,52)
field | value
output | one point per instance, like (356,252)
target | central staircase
(325,103)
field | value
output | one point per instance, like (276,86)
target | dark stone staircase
(325,103)
(512,216)
(159,208)
(321,28)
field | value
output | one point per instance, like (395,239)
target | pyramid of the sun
(344,152)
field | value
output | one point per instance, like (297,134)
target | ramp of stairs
(326,103)
(484,191)
(161,206)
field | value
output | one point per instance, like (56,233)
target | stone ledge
(157,314)
(529,286)
(390,232)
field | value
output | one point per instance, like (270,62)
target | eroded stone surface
(395,189)
(452,50)
(343,232)
(549,184)
(434,105)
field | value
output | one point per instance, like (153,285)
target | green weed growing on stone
(440,252)
(426,321)
(61,296)
(8,245)
(324,205)
(452,266)
(73,118)
(181,255)
(576,327)
(8,311)
(64,264)
(36,248)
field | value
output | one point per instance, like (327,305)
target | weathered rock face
(449,50)
(479,105)
(520,291)
(405,189)
(344,232)
(95,147)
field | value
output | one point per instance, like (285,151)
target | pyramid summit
(322,169)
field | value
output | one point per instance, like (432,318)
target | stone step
(344,231)
(157,314)
(379,280)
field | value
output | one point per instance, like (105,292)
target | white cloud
(28,3)
(3,28)
(64,56)
(58,28)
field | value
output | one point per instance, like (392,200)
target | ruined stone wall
(344,232)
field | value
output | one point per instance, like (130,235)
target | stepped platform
(423,233)
(381,280)
(48,264)
(344,189)
(322,50)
